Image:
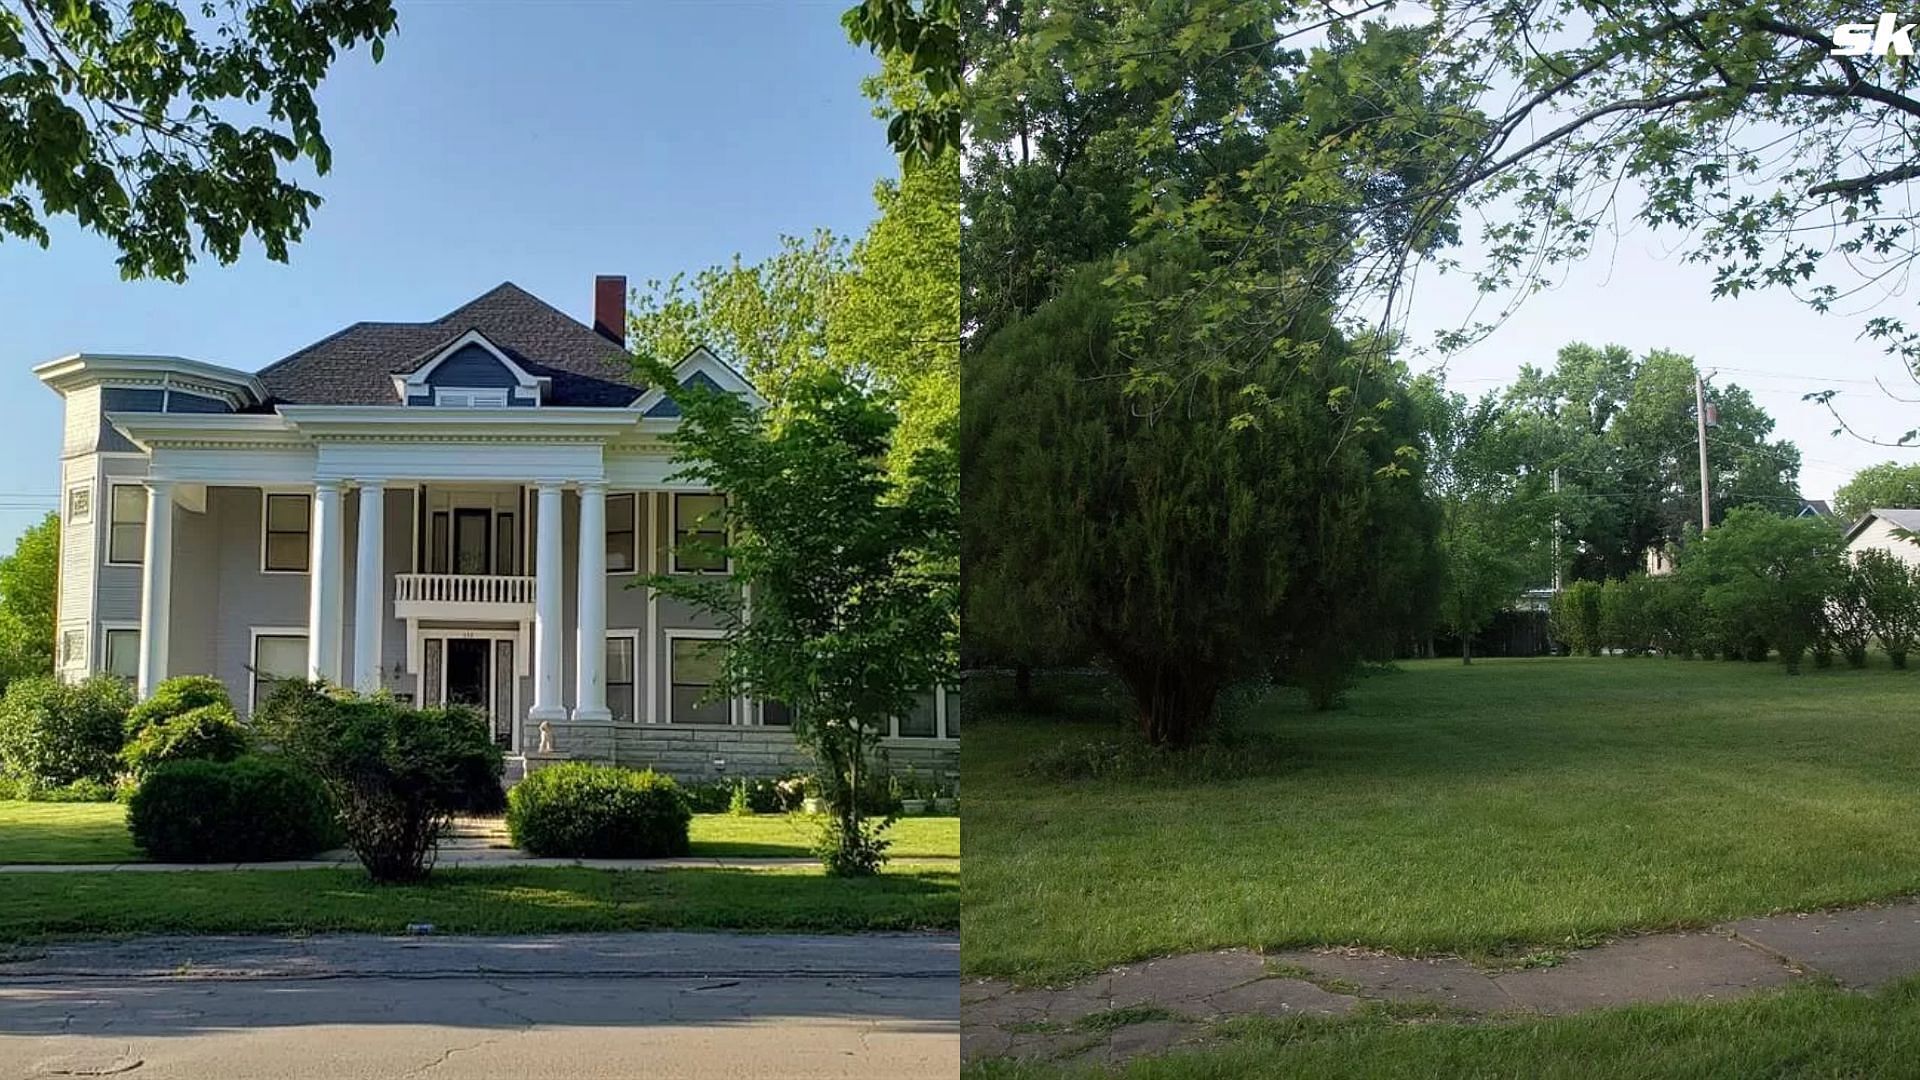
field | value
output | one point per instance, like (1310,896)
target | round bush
(53,733)
(250,809)
(176,696)
(206,733)
(577,810)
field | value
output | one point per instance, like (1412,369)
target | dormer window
(470,397)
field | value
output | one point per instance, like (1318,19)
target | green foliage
(1575,617)
(395,773)
(166,130)
(1495,509)
(1846,621)
(80,791)
(884,312)
(578,810)
(1892,592)
(54,733)
(922,38)
(738,803)
(1766,578)
(764,795)
(851,570)
(29,583)
(176,696)
(250,809)
(1620,429)
(1630,614)
(1888,485)
(206,733)
(1186,541)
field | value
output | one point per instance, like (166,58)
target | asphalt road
(574,1006)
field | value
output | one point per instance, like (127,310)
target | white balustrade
(451,591)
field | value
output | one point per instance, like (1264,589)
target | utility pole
(1556,529)
(1700,421)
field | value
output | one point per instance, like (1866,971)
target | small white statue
(546,737)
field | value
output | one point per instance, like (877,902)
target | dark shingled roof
(356,366)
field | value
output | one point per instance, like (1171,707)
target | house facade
(1879,530)
(453,511)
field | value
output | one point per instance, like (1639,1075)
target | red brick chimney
(610,307)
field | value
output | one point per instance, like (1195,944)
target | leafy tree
(1890,484)
(167,130)
(1188,547)
(1628,620)
(1848,622)
(1769,574)
(1576,617)
(1493,518)
(884,311)
(1892,591)
(842,597)
(1621,431)
(29,585)
(921,37)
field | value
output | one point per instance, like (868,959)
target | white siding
(1878,536)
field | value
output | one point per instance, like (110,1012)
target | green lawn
(97,833)
(1804,1032)
(508,901)
(64,833)
(1454,809)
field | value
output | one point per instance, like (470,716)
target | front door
(468,680)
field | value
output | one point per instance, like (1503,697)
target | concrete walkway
(1160,1005)
(583,1006)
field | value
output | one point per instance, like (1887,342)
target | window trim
(266,495)
(632,637)
(691,634)
(107,630)
(632,499)
(254,634)
(673,535)
(113,488)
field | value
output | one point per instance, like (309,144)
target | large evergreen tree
(1190,537)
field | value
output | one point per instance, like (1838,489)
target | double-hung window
(127,525)
(693,667)
(276,657)
(288,541)
(699,532)
(622,547)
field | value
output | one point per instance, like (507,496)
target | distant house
(1814,508)
(1876,531)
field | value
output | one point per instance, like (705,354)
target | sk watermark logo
(1888,36)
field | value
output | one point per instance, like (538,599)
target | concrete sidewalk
(1860,949)
(590,1006)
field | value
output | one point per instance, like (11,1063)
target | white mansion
(453,511)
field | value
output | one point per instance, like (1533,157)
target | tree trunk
(1466,648)
(1023,687)
(1174,702)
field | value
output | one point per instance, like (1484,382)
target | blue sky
(540,143)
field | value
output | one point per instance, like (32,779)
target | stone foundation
(695,754)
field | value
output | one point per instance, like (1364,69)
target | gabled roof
(356,366)
(1899,517)
(1815,507)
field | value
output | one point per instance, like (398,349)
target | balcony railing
(456,595)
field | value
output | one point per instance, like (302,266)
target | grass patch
(507,901)
(793,836)
(1113,1019)
(1806,1031)
(34,832)
(97,833)
(1493,810)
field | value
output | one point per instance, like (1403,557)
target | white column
(369,576)
(325,576)
(156,586)
(547,609)
(590,643)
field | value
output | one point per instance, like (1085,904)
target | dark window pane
(776,714)
(437,542)
(920,722)
(504,537)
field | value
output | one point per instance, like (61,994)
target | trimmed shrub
(396,774)
(578,810)
(54,733)
(246,810)
(176,696)
(205,733)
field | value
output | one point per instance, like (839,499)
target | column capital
(330,486)
(591,485)
(160,484)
